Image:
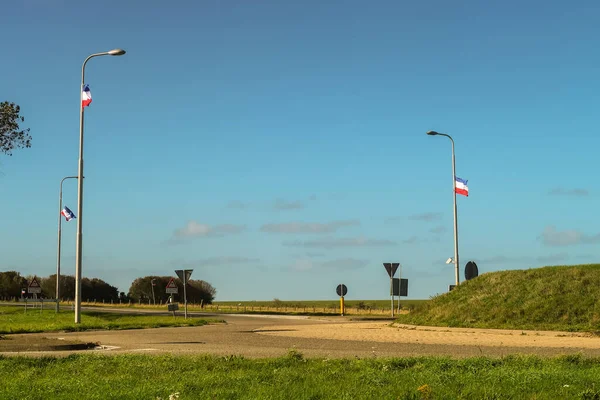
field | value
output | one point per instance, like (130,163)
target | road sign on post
(171,287)
(184,275)
(391,270)
(400,287)
(34,286)
(341,291)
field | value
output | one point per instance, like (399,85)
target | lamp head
(432,133)
(449,261)
(116,52)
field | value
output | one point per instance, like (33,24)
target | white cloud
(308,227)
(237,205)
(196,229)
(331,242)
(568,192)
(551,237)
(438,230)
(288,205)
(342,264)
(429,216)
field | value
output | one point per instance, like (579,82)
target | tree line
(146,289)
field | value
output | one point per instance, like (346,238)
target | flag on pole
(460,186)
(68,214)
(86,96)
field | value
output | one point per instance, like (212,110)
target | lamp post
(59,240)
(78,255)
(434,133)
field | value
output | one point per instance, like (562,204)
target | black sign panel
(400,287)
(341,290)
(391,268)
(471,270)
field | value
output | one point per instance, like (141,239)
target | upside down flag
(68,214)
(86,96)
(460,186)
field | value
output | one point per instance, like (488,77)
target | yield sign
(188,274)
(391,268)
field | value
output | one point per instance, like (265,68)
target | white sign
(171,287)
(34,287)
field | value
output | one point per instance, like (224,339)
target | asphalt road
(241,335)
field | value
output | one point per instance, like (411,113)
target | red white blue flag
(460,186)
(86,96)
(68,214)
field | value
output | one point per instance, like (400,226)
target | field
(551,298)
(295,377)
(302,307)
(15,320)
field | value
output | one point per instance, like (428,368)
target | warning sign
(34,286)
(171,287)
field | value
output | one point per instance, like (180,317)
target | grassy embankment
(294,377)
(564,298)
(15,320)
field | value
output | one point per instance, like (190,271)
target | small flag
(460,186)
(86,96)
(68,214)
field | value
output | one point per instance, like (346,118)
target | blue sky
(278,148)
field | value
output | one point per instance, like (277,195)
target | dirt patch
(36,343)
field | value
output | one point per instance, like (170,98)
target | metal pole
(456,260)
(399,286)
(79,249)
(456,264)
(185,293)
(59,241)
(392,293)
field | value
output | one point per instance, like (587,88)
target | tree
(197,290)
(11,135)
(11,283)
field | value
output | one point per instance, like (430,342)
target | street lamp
(78,255)
(434,133)
(59,240)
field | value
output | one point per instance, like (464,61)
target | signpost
(34,286)
(171,287)
(184,275)
(391,270)
(341,291)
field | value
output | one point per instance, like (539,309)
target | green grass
(361,308)
(15,320)
(565,298)
(294,377)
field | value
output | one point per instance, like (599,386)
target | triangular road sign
(171,284)
(188,274)
(34,286)
(391,268)
(171,287)
(34,283)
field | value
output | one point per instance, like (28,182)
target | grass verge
(563,298)
(294,377)
(15,320)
